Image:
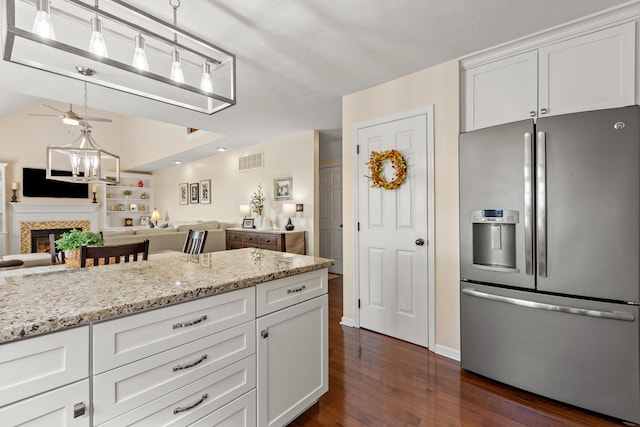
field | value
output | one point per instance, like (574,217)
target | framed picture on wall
(205,191)
(282,188)
(195,193)
(183,193)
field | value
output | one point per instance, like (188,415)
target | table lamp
(245,210)
(155,216)
(289,209)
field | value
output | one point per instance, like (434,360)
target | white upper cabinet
(588,72)
(501,92)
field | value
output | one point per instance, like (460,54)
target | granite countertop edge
(18,327)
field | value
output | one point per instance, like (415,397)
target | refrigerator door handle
(613,315)
(528,204)
(541,203)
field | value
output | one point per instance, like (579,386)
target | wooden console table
(281,240)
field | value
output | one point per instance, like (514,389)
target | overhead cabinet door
(589,72)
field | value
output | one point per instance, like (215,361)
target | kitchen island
(207,337)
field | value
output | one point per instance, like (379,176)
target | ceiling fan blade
(44,115)
(98,119)
(54,108)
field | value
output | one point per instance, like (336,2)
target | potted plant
(127,193)
(71,241)
(257,204)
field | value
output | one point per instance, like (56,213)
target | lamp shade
(289,209)
(245,210)
(155,216)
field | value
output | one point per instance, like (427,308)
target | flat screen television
(36,184)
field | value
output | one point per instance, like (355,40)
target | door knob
(420,242)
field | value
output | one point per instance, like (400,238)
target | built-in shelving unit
(127,203)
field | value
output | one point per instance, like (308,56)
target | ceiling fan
(70,117)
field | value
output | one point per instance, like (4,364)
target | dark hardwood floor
(375,380)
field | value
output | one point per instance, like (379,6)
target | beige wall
(294,156)
(438,86)
(24,138)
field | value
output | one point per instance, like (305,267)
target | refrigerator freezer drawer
(584,353)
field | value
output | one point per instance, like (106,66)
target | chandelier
(126,48)
(87,160)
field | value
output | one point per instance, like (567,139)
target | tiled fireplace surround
(42,216)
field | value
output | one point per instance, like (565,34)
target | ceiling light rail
(119,28)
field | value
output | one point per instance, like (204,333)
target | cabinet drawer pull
(186,408)
(190,365)
(191,323)
(79,409)
(293,291)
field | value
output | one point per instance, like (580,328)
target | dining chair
(194,242)
(115,253)
(57,257)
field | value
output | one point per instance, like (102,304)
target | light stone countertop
(39,300)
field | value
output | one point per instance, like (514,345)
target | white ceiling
(297,58)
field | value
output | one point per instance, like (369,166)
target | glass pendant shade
(97,44)
(139,55)
(42,24)
(206,84)
(87,160)
(176,68)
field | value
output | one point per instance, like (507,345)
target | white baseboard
(447,352)
(347,321)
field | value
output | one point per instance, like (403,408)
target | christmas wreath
(376,169)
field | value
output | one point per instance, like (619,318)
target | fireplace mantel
(48,212)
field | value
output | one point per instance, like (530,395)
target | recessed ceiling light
(222,149)
(177,162)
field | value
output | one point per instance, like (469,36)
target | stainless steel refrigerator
(550,257)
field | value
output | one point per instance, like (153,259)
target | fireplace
(40,238)
(27,217)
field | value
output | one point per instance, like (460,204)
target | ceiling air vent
(249,162)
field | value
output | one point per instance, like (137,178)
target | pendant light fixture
(206,83)
(42,24)
(87,160)
(177,75)
(201,78)
(139,54)
(97,44)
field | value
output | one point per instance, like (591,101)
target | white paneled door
(330,223)
(393,240)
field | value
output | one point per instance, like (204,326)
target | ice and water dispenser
(494,239)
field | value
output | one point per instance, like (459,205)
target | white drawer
(128,387)
(195,400)
(42,363)
(52,409)
(239,413)
(127,339)
(282,293)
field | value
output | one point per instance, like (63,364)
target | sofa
(172,238)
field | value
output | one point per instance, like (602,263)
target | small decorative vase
(140,183)
(258,222)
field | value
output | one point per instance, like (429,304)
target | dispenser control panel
(495,215)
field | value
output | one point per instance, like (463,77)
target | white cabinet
(44,380)
(124,204)
(500,92)
(3,208)
(588,72)
(63,407)
(178,364)
(292,348)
